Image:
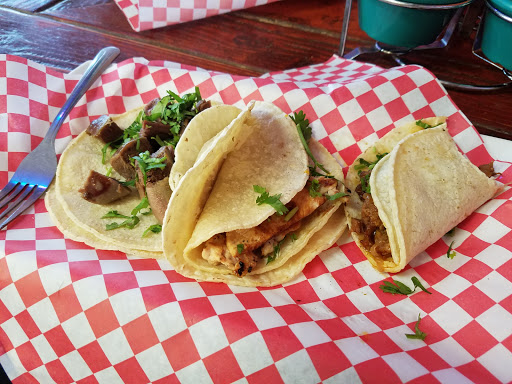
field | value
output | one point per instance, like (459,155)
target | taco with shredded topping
(409,189)
(261,201)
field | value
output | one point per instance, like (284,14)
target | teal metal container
(497,33)
(408,23)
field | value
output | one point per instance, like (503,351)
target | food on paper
(112,184)
(409,189)
(259,203)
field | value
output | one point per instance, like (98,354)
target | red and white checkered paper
(150,14)
(69,313)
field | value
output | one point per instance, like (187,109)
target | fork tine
(38,191)
(16,200)
(6,189)
(15,191)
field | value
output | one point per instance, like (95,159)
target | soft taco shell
(422,189)
(220,188)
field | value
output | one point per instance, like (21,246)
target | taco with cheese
(261,200)
(409,189)
(113,185)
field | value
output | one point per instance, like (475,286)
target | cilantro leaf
(144,203)
(239,248)
(365,176)
(336,196)
(314,188)
(304,131)
(146,162)
(130,223)
(423,125)
(155,228)
(402,289)
(273,200)
(451,254)
(418,334)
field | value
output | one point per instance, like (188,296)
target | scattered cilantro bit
(109,172)
(314,172)
(314,187)
(365,177)
(423,125)
(155,228)
(293,236)
(451,254)
(277,250)
(335,196)
(128,183)
(304,130)
(114,214)
(290,214)
(130,222)
(418,334)
(144,203)
(402,289)
(273,201)
(146,162)
(239,248)
(417,284)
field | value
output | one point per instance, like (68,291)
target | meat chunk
(121,160)
(201,105)
(159,194)
(155,128)
(101,189)
(155,174)
(105,129)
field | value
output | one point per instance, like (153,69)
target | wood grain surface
(282,35)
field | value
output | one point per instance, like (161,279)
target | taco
(259,203)
(112,184)
(409,189)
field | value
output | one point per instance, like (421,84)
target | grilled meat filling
(259,241)
(105,129)
(372,233)
(101,189)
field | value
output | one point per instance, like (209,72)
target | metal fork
(38,168)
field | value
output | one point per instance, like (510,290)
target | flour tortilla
(422,189)
(81,220)
(217,196)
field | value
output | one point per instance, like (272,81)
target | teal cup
(497,33)
(408,23)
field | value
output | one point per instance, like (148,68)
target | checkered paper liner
(150,14)
(70,313)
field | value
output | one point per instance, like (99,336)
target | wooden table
(286,34)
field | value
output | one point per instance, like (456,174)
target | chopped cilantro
(146,162)
(130,222)
(277,250)
(273,201)
(239,248)
(335,196)
(423,125)
(365,177)
(402,289)
(314,188)
(314,172)
(128,183)
(418,334)
(304,130)
(109,172)
(293,236)
(144,203)
(450,253)
(155,228)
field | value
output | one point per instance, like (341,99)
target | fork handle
(96,68)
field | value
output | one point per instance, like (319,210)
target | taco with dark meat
(113,185)
(261,200)
(409,189)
